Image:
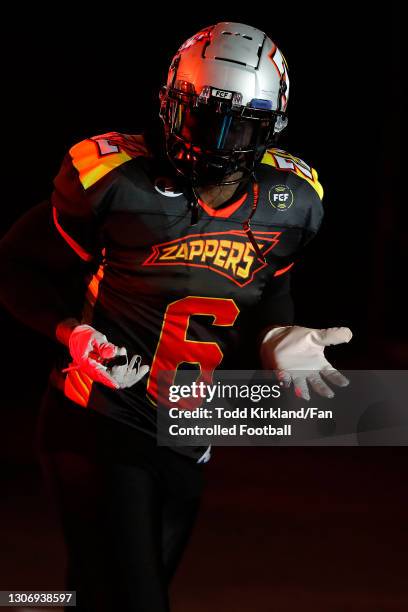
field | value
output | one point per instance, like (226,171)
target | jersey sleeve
(300,200)
(300,211)
(274,308)
(85,186)
(276,305)
(78,207)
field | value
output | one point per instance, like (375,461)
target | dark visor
(204,127)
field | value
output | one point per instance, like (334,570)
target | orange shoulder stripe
(95,157)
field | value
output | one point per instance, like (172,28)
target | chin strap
(193,203)
(247,223)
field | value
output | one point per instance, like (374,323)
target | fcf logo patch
(281,197)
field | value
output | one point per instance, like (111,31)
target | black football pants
(126,506)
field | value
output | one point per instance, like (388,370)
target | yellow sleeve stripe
(284,161)
(91,165)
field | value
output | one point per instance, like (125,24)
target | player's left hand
(297,355)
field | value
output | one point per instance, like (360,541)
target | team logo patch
(281,197)
(227,253)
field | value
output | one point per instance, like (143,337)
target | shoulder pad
(95,157)
(281,160)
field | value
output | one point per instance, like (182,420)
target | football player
(153,254)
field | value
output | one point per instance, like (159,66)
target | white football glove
(297,355)
(131,372)
(89,348)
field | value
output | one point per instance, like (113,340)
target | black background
(67,76)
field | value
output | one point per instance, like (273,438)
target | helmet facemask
(213,141)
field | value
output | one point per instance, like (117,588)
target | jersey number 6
(174,349)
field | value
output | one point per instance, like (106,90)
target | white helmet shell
(233,57)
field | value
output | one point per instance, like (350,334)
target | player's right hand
(128,373)
(90,351)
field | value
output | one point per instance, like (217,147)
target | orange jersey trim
(283,270)
(223,212)
(80,251)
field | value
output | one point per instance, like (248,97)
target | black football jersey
(174,292)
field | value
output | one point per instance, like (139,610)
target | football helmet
(225,99)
